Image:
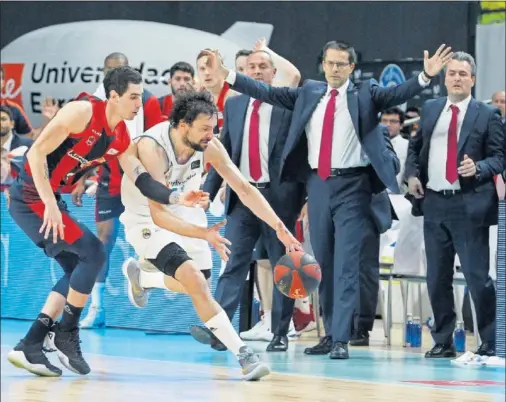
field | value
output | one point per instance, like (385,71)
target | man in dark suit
(254,134)
(451,164)
(11,141)
(342,151)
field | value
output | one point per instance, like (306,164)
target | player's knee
(192,279)
(62,286)
(94,254)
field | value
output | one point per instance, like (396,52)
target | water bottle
(409,325)
(459,337)
(416,333)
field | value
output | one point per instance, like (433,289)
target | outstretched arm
(278,96)
(249,195)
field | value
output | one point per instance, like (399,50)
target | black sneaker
(30,357)
(68,348)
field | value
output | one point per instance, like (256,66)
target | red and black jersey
(166,102)
(110,174)
(80,152)
(220,103)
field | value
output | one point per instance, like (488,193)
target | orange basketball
(297,275)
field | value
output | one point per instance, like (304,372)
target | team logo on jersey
(146,233)
(83,161)
(195,165)
(90,141)
(96,132)
(112,151)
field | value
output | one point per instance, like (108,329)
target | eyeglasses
(339,64)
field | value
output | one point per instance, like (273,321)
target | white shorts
(148,240)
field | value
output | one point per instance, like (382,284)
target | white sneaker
(260,332)
(292,332)
(94,319)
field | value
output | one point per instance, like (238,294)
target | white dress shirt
(135,126)
(7,144)
(401,149)
(264,112)
(346,148)
(439,147)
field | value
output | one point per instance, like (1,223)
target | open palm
(435,64)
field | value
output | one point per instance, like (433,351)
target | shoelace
(246,356)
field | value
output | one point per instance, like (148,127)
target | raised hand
(260,44)
(216,240)
(435,64)
(215,64)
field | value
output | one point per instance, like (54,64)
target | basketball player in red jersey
(182,78)
(82,135)
(219,88)
(108,206)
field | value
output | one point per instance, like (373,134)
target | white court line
(319,377)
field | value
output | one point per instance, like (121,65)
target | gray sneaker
(252,368)
(137,295)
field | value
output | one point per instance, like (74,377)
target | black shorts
(108,207)
(260,252)
(170,258)
(78,239)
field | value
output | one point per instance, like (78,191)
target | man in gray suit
(254,134)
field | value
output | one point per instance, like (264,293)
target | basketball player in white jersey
(175,154)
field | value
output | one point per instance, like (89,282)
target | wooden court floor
(130,366)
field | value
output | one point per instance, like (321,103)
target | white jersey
(139,226)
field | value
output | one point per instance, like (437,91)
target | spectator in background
(182,78)
(410,129)
(393,118)
(22,124)
(9,139)
(451,164)
(241,58)
(499,101)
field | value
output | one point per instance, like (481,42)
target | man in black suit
(254,134)
(10,141)
(334,143)
(451,164)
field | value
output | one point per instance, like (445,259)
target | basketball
(297,275)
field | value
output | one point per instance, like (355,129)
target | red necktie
(255,167)
(325,158)
(451,155)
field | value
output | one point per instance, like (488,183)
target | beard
(3,133)
(196,146)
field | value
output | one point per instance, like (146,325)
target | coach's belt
(348,171)
(261,185)
(447,193)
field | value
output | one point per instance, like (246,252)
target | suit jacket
(365,101)
(481,138)
(19,141)
(285,198)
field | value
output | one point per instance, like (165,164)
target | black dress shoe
(278,344)
(205,336)
(486,349)
(322,348)
(339,351)
(360,338)
(441,351)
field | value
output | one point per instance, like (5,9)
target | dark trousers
(80,254)
(243,229)
(448,230)
(339,217)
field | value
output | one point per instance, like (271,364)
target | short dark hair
(118,79)
(7,111)
(340,45)
(243,52)
(203,54)
(189,105)
(397,111)
(116,56)
(182,66)
(414,109)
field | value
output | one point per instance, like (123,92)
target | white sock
(221,326)
(152,280)
(97,295)
(268,318)
(303,305)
